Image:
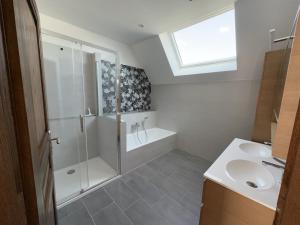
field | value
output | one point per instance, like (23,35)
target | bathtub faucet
(143,125)
(136,128)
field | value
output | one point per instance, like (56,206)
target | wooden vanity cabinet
(222,206)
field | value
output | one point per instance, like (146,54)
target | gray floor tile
(143,188)
(146,172)
(121,193)
(193,175)
(111,215)
(174,212)
(185,182)
(71,208)
(194,197)
(162,165)
(141,214)
(186,160)
(193,162)
(96,201)
(166,191)
(168,187)
(80,217)
(191,204)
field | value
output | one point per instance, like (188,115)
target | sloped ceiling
(252,43)
(119,19)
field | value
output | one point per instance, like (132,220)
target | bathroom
(152,118)
(159,112)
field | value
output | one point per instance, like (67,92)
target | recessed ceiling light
(141,25)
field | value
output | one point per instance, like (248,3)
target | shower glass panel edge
(102,80)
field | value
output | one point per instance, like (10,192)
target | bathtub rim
(170,133)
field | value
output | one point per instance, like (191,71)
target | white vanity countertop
(217,173)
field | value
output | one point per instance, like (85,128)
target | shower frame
(118,107)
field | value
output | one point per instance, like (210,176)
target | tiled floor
(166,191)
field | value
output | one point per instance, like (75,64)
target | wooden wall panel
(289,104)
(289,197)
(264,109)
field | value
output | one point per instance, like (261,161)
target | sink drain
(71,171)
(251,184)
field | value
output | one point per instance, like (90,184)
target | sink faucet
(268,143)
(266,163)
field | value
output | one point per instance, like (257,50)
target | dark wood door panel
(26,83)
(11,193)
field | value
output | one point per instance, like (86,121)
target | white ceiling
(119,19)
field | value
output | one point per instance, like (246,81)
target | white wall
(206,116)
(61,27)
(209,110)
(108,141)
(137,117)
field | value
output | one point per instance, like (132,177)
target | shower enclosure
(87,153)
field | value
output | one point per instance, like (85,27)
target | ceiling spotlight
(141,25)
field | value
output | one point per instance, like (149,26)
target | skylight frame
(208,62)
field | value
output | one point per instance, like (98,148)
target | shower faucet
(135,126)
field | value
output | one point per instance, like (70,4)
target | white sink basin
(255,149)
(250,174)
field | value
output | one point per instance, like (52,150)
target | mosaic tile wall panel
(135,88)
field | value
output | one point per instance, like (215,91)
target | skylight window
(211,41)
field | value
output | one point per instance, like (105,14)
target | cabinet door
(222,206)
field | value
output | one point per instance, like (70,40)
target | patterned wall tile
(135,88)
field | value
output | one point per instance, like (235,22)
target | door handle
(57,140)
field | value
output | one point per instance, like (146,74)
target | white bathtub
(143,148)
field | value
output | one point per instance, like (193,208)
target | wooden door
(288,212)
(11,193)
(21,36)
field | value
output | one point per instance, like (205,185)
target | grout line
(146,179)
(149,183)
(89,213)
(140,196)
(122,211)
(145,163)
(131,204)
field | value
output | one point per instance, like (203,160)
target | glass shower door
(81,88)
(65,98)
(102,149)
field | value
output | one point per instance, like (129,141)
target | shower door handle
(82,123)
